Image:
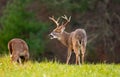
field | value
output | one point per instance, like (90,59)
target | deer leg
(78,58)
(77,53)
(10,55)
(19,60)
(82,58)
(14,57)
(83,52)
(26,57)
(68,55)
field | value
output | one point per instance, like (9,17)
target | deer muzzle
(51,36)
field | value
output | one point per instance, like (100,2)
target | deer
(75,41)
(18,49)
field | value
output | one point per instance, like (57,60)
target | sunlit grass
(55,69)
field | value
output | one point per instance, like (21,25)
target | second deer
(19,51)
(75,41)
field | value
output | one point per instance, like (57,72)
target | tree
(18,22)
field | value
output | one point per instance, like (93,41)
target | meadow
(56,69)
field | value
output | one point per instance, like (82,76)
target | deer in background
(75,41)
(18,50)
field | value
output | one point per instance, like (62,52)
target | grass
(55,69)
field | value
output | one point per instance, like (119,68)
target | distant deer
(75,41)
(18,49)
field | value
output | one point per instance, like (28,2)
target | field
(55,69)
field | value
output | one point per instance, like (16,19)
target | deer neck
(64,38)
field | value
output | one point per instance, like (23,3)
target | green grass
(54,69)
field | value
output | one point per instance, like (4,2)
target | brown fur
(18,50)
(75,41)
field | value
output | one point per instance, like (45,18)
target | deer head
(56,33)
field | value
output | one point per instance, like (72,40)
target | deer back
(17,46)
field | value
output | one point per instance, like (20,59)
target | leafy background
(28,19)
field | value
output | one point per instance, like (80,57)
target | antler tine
(69,18)
(66,18)
(56,21)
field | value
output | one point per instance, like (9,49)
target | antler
(66,18)
(56,21)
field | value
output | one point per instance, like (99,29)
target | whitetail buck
(18,50)
(75,41)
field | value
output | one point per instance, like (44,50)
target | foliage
(55,69)
(67,6)
(18,22)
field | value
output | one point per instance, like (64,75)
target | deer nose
(50,35)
